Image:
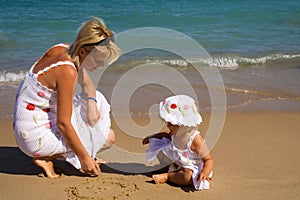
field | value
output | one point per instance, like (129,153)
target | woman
(49,122)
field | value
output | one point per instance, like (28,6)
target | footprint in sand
(101,189)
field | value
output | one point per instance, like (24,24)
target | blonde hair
(91,32)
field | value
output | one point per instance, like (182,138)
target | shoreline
(255,158)
(245,89)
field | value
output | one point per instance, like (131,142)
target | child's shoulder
(197,143)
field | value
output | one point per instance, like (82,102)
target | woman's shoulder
(57,55)
(58,49)
(58,52)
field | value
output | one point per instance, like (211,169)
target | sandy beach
(242,56)
(256,157)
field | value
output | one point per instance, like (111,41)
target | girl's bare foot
(47,166)
(160,178)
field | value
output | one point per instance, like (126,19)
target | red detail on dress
(30,106)
(41,93)
(46,110)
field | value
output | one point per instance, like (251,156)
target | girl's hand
(92,114)
(145,140)
(204,176)
(90,166)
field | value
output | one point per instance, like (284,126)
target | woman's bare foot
(47,166)
(160,178)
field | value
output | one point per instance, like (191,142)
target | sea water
(254,44)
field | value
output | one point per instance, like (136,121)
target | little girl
(192,162)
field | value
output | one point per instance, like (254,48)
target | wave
(234,61)
(221,61)
(12,76)
(239,61)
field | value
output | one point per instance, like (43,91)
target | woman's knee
(111,138)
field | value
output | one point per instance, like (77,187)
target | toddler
(183,145)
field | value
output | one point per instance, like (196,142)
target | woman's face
(92,60)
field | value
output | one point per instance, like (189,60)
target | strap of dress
(46,69)
(61,45)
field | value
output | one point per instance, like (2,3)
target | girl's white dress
(35,127)
(185,158)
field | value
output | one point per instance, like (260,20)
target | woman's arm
(89,91)
(65,86)
(86,83)
(199,146)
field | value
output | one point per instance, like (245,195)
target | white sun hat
(180,110)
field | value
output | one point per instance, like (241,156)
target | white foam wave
(238,90)
(174,62)
(265,59)
(12,76)
(171,62)
(234,62)
(222,62)
(228,61)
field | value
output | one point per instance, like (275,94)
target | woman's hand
(90,166)
(92,114)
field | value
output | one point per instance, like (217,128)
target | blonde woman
(49,121)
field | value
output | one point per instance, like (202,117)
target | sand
(256,157)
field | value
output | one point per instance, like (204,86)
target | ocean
(255,45)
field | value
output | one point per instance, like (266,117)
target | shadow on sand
(14,161)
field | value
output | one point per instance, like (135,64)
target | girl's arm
(65,86)
(199,146)
(89,91)
(157,135)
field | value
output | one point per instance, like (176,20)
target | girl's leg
(181,177)
(47,165)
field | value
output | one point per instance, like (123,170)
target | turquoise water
(255,40)
(235,29)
